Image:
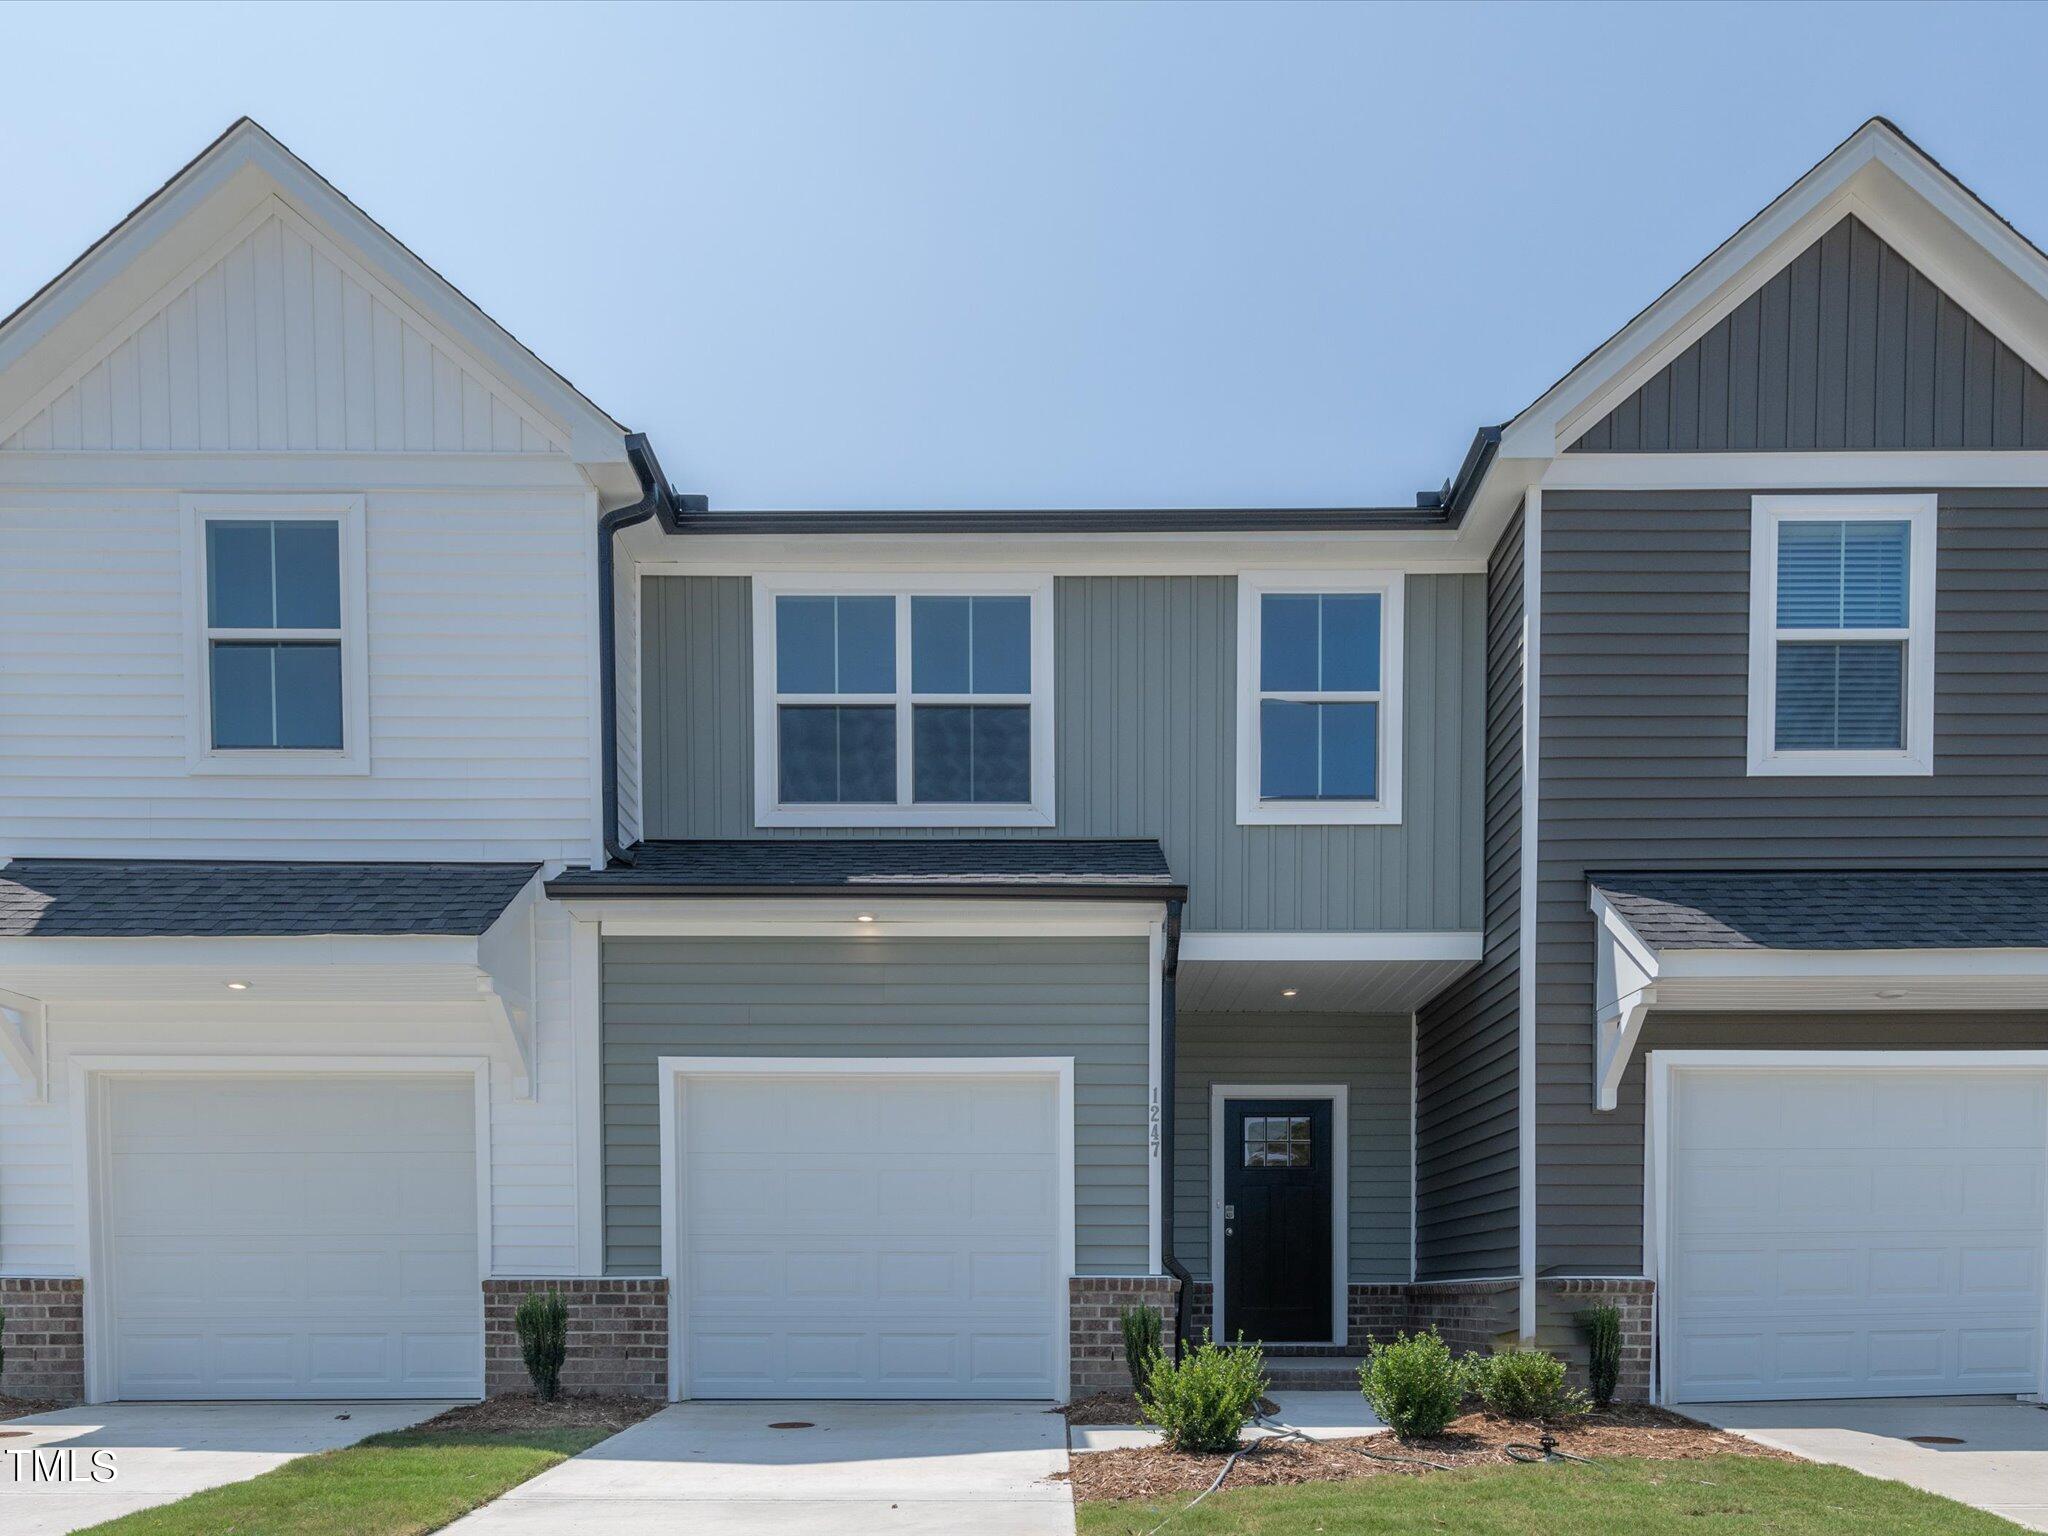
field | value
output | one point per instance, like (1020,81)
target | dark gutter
(1169,985)
(655,497)
(569,886)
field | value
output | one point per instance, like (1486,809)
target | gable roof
(247,187)
(1881,177)
(1849,346)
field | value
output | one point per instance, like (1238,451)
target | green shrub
(1141,1344)
(543,1324)
(1203,1403)
(1603,1350)
(1413,1384)
(1524,1384)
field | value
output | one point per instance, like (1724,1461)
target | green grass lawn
(399,1484)
(1722,1496)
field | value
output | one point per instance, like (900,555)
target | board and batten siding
(1645,766)
(1084,998)
(1368,1054)
(1467,1153)
(1849,346)
(481,636)
(1146,716)
(283,344)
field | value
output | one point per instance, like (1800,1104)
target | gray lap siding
(1084,998)
(1644,766)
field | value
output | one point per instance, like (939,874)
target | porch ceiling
(1319,986)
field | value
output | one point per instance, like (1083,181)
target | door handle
(1230,1231)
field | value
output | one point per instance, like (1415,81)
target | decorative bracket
(25,1041)
(1625,989)
(506,982)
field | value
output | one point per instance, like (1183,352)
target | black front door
(1276,1221)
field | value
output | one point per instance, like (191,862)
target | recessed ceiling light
(865,917)
(1891,992)
(238,986)
(1289,991)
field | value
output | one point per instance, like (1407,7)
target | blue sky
(964,255)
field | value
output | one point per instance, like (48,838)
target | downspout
(1168,983)
(654,497)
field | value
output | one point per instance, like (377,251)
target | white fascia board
(1852,965)
(841,917)
(1877,469)
(1349,947)
(1176,553)
(335,950)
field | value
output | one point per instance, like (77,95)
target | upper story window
(1842,635)
(275,588)
(903,701)
(1319,698)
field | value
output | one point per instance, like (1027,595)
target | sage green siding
(1145,710)
(1369,1055)
(1084,998)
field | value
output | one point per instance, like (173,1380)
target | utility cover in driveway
(870,1236)
(1856,1233)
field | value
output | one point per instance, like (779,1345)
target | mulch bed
(19,1407)
(1476,1440)
(1121,1408)
(517,1412)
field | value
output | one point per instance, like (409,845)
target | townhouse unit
(855,953)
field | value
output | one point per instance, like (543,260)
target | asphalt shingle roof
(1871,909)
(175,898)
(896,864)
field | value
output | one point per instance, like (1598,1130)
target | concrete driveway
(717,1469)
(162,1451)
(1999,1462)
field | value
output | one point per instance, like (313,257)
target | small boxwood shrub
(1414,1384)
(1203,1403)
(543,1325)
(1141,1344)
(1524,1384)
(1603,1350)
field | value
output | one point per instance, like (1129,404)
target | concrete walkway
(159,1452)
(717,1469)
(1318,1415)
(2001,1464)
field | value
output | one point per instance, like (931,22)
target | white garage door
(1873,1233)
(292,1237)
(870,1236)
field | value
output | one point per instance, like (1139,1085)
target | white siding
(533,1145)
(283,343)
(626,613)
(481,629)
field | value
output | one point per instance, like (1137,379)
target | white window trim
(1339,1096)
(1386,810)
(1038,586)
(670,1071)
(1766,514)
(201,756)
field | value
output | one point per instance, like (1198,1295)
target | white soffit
(1327,973)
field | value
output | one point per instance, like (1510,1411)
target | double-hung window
(894,701)
(1842,635)
(276,658)
(1319,698)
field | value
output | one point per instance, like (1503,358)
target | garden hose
(1545,1450)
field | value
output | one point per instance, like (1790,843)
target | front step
(1313,1373)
